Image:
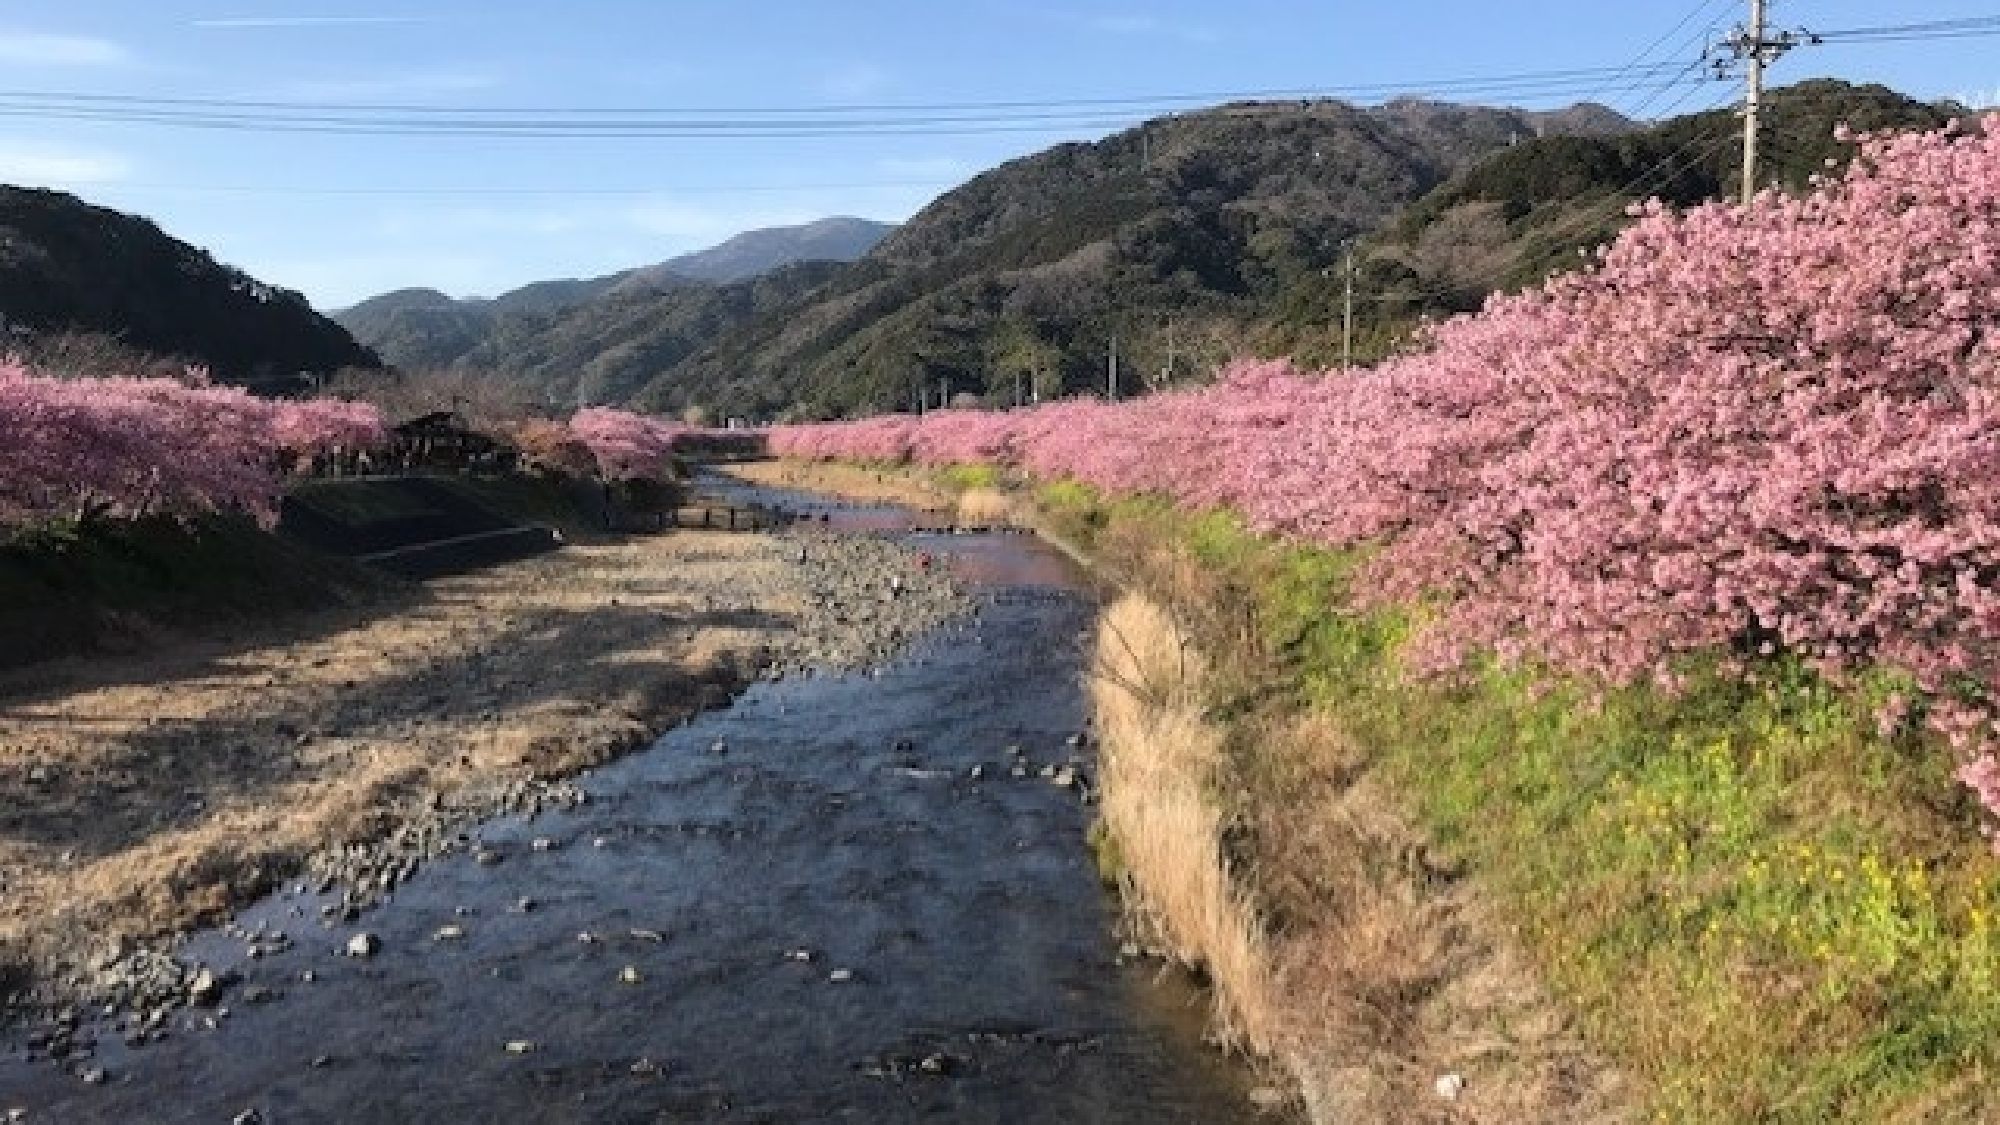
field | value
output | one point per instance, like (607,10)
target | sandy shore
(141,797)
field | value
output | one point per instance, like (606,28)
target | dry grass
(140,796)
(851,481)
(1263,850)
(1161,761)
(984,507)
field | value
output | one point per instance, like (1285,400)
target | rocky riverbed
(860,892)
(139,798)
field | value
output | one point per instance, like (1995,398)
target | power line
(1693,14)
(1571,75)
(800,122)
(1968,27)
(472,192)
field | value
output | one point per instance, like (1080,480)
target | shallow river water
(832,901)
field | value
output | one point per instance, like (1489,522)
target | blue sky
(341,217)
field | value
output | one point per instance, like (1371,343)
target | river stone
(1268,1099)
(205,990)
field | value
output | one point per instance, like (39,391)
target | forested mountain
(1187,240)
(422,328)
(1169,237)
(1525,212)
(69,268)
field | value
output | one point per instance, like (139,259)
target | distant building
(443,441)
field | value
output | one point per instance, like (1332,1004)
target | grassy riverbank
(1758,904)
(1749,902)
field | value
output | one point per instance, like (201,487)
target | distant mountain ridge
(1182,242)
(1169,238)
(67,266)
(1168,234)
(838,239)
(424,328)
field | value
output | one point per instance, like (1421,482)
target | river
(842,898)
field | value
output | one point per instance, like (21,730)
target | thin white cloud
(30,48)
(265,23)
(1143,26)
(41,164)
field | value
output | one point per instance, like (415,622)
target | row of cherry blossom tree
(1761,431)
(123,448)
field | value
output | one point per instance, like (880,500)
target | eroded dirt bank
(139,797)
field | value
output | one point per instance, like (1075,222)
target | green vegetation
(1763,907)
(964,478)
(71,271)
(1529,210)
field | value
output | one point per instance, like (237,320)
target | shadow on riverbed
(176,771)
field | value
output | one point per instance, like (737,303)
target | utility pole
(1757,48)
(1753,99)
(1347,314)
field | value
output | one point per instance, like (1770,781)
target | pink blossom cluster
(323,425)
(126,448)
(1755,430)
(627,446)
